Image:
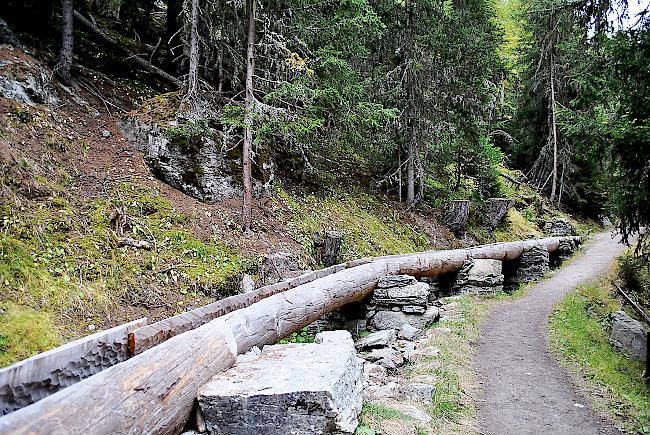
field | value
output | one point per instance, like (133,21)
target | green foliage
(302,336)
(579,331)
(60,259)
(635,274)
(384,412)
(369,226)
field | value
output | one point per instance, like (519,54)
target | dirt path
(524,391)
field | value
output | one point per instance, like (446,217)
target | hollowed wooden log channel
(154,392)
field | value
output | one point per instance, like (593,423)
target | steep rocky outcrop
(196,159)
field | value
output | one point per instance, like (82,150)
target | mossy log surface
(153,392)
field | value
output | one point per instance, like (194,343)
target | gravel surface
(523,389)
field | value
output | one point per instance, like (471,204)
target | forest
(423,100)
(465,181)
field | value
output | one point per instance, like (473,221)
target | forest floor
(522,388)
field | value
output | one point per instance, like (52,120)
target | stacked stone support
(400,300)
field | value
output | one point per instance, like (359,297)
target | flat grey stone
(395,319)
(396,281)
(415,294)
(377,339)
(386,353)
(293,388)
(419,391)
(629,336)
(409,332)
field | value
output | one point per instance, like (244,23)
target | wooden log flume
(154,392)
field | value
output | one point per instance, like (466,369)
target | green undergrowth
(369,226)
(454,376)
(579,332)
(527,217)
(63,266)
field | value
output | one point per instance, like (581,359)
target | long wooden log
(153,392)
(30,380)
(151,335)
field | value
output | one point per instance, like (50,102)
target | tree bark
(554,129)
(248,121)
(193,73)
(42,375)
(64,66)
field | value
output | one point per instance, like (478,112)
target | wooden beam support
(30,380)
(153,392)
(151,335)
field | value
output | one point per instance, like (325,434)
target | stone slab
(313,388)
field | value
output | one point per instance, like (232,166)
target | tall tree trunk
(410,164)
(248,120)
(410,173)
(554,129)
(67,44)
(193,74)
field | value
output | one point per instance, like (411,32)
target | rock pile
(629,336)
(558,227)
(292,388)
(480,277)
(531,266)
(565,250)
(399,300)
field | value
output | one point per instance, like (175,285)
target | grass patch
(579,332)
(60,259)
(369,226)
(24,332)
(454,375)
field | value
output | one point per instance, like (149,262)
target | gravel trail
(523,389)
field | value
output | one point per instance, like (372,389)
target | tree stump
(328,247)
(455,216)
(494,211)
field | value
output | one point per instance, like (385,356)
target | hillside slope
(90,238)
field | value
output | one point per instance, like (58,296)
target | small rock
(106,133)
(377,339)
(374,373)
(391,389)
(91,327)
(419,392)
(247,283)
(408,351)
(388,354)
(396,281)
(412,411)
(395,319)
(414,309)
(408,332)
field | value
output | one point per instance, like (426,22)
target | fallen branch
(135,59)
(638,309)
(128,241)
